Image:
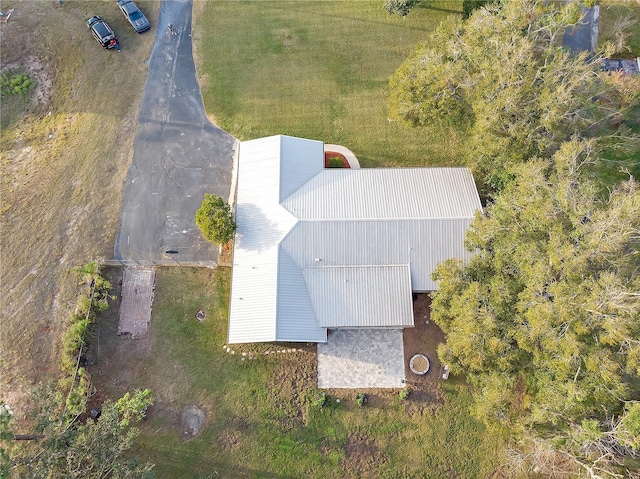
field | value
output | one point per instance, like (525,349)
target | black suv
(103,33)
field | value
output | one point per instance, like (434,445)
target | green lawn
(317,70)
(614,12)
(260,419)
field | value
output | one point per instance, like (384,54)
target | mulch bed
(423,339)
(335,156)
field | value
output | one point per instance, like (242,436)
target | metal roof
(383,193)
(302,229)
(360,296)
(422,243)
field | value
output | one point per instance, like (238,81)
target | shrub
(320,399)
(15,83)
(134,406)
(215,220)
(361,398)
(404,393)
(335,162)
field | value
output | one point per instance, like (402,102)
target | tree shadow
(438,9)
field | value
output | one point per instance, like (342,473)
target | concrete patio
(362,358)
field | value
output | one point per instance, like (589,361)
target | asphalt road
(584,36)
(178,155)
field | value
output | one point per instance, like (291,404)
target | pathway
(178,156)
(138,284)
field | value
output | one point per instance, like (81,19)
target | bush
(361,398)
(404,393)
(134,406)
(320,399)
(14,83)
(399,7)
(215,220)
(335,162)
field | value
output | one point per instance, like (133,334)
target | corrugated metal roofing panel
(300,161)
(253,300)
(360,296)
(420,243)
(262,223)
(380,193)
(296,319)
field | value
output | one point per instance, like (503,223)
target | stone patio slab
(361,358)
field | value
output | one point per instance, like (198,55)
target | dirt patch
(228,440)
(362,457)
(225,254)
(423,339)
(192,420)
(40,72)
(295,379)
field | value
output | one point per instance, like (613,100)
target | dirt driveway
(178,155)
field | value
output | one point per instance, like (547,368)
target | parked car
(103,32)
(136,18)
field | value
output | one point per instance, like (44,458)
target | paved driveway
(584,36)
(178,155)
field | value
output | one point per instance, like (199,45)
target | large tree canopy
(503,78)
(89,449)
(545,319)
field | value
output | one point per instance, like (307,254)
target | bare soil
(423,339)
(362,457)
(294,378)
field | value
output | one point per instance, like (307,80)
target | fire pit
(419,364)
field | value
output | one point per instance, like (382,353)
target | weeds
(15,83)
(320,399)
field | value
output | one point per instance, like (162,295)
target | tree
(399,7)
(215,220)
(5,435)
(545,318)
(503,80)
(468,6)
(95,449)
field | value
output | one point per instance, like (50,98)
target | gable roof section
(303,229)
(361,296)
(422,243)
(295,314)
(386,193)
(262,223)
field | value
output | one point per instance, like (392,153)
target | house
(321,249)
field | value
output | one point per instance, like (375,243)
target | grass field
(63,160)
(260,420)
(316,69)
(614,12)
